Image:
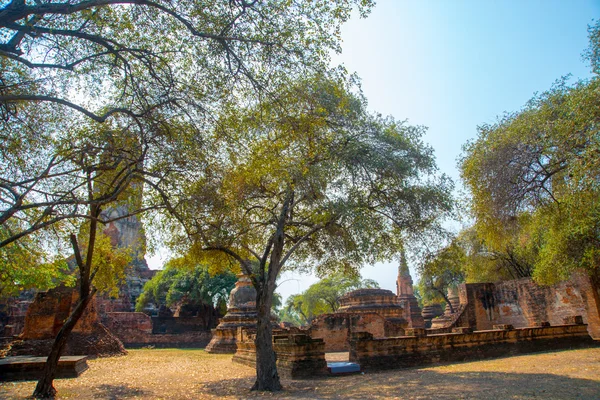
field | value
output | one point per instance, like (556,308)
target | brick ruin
(185,327)
(126,232)
(241,313)
(422,349)
(489,320)
(377,311)
(298,355)
(46,315)
(523,303)
(430,312)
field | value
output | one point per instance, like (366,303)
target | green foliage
(25,265)
(321,298)
(179,281)
(441,271)
(535,181)
(355,185)
(109,263)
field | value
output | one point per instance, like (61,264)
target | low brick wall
(336,329)
(135,329)
(403,352)
(298,356)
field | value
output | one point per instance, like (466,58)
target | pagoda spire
(403,266)
(404,283)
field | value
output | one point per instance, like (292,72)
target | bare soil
(194,374)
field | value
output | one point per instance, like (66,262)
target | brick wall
(335,329)
(402,352)
(48,311)
(135,329)
(523,303)
(298,355)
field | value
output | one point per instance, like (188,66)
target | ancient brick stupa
(404,290)
(378,301)
(430,312)
(241,312)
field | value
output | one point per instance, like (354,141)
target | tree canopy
(534,179)
(97,99)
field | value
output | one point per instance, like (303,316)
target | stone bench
(25,368)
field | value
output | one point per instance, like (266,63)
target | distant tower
(404,283)
(404,291)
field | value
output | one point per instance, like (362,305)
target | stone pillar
(241,312)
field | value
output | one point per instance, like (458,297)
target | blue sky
(453,65)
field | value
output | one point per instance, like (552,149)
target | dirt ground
(194,374)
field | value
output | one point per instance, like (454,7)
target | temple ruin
(383,331)
(241,313)
(377,311)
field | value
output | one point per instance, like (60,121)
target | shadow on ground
(420,384)
(114,392)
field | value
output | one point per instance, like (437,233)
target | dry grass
(194,374)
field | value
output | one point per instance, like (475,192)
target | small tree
(441,271)
(179,281)
(309,180)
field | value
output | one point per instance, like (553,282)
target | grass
(194,374)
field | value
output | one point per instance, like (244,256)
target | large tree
(309,180)
(75,72)
(534,176)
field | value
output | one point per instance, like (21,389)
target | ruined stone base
(99,343)
(25,368)
(298,356)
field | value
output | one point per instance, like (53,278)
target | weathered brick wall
(590,291)
(182,324)
(135,329)
(45,316)
(298,355)
(523,303)
(335,329)
(390,353)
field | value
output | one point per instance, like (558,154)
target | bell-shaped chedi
(404,290)
(241,312)
(379,301)
(46,315)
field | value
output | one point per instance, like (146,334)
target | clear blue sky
(454,64)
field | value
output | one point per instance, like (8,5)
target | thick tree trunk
(45,388)
(267,377)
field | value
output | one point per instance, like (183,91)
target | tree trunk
(45,388)
(267,377)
